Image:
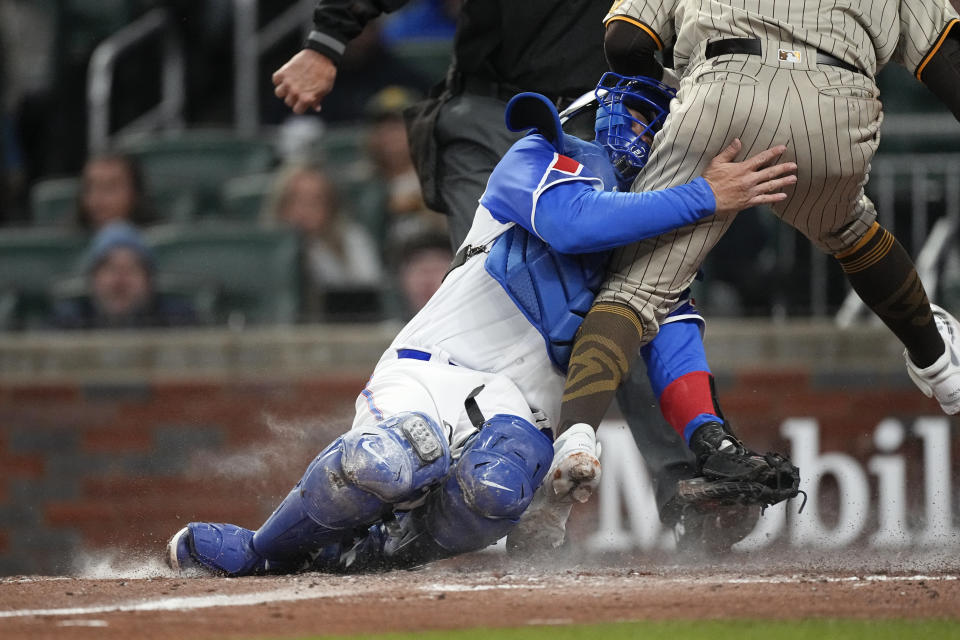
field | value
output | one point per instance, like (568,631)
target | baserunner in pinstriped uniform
(797,73)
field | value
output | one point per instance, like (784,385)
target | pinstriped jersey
(865,33)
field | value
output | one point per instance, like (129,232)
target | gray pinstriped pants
(828,117)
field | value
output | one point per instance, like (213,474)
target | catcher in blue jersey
(451,437)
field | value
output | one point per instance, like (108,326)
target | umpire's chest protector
(554,291)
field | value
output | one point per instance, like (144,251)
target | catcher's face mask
(630,110)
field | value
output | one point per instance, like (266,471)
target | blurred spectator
(120,287)
(402,211)
(337,252)
(111,189)
(422,262)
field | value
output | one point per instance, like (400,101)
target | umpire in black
(457,136)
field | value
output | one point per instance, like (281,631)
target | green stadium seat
(365,201)
(255,271)
(430,57)
(53,201)
(197,162)
(204,297)
(31,261)
(342,145)
(915,120)
(242,198)
(902,93)
(175,205)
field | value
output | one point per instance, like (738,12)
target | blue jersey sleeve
(562,200)
(575,218)
(530,166)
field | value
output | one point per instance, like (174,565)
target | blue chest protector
(553,290)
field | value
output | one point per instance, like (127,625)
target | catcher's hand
(573,476)
(742,479)
(542,527)
(575,471)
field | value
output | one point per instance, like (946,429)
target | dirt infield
(485,590)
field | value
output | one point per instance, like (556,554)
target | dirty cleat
(720,455)
(217,549)
(702,531)
(942,378)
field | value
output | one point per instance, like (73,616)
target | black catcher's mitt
(733,478)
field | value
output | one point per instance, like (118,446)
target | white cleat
(178,552)
(942,378)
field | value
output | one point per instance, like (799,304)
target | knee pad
(396,458)
(493,483)
(366,470)
(354,481)
(500,470)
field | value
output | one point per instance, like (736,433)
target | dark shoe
(721,456)
(713,531)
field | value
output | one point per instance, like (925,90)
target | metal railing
(249,44)
(168,113)
(930,185)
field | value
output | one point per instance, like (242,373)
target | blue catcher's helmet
(623,103)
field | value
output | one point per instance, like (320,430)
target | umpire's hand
(739,185)
(305,80)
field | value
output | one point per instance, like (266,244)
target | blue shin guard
(491,486)
(220,549)
(353,483)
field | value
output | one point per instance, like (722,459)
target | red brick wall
(121,468)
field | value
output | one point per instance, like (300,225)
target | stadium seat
(430,58)
(364,199)
(915,121)
(31,260)
(342,145)
(203,297)
(255,271)
(197,162)
(174,205)
(52,201)
(352,304)
(242,198)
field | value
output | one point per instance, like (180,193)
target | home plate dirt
(144,600)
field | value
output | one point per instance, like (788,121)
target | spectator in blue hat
(121,287)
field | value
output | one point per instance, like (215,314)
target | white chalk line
(188,603)
(293,594)
(813,578)
(478,587)
(83,623)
